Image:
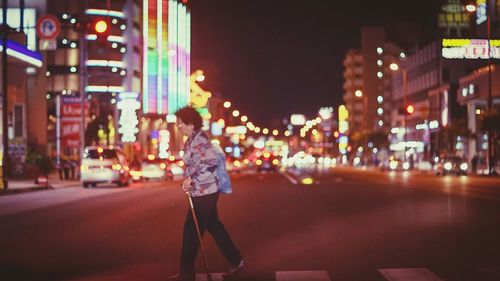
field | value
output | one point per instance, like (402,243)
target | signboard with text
(71,119)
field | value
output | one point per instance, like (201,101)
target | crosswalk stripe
(290,178)
(302,276)
(409,274)
(203,276)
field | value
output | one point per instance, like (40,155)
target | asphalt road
(350,224)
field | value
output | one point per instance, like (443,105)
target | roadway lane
(353,225)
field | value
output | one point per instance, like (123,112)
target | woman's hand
(186,185)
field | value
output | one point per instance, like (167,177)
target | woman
(201,184)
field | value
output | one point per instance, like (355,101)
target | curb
(24,190)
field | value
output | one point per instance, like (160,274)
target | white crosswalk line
(203,277)
(290,178)
(409,274)
(302,276)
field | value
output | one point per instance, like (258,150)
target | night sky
(280,57)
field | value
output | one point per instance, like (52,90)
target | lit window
(380,111)
(380,123)
(402,55)
(380,74)
(380,99)
(380,51)
(379,62)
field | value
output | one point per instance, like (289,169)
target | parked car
(154,169)
(451,165)
(104,165)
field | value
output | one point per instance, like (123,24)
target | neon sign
(481,11)
(128,106)
(470,48)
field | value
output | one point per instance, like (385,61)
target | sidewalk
(22,186)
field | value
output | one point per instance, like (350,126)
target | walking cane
(209,276)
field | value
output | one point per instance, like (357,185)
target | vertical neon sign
(145,21)
(173,53)
(165,58)
(159,49)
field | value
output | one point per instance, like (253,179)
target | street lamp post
(395,67)
(491,142)
(5,135)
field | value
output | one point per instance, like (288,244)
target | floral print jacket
(201,162)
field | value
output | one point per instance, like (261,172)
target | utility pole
(5,130)
(491,140)
(83,75)
(405,104)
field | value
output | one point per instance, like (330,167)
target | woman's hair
(190,116)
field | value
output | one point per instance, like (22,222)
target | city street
(349,224)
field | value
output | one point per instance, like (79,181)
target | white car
(154,169)
(104,165)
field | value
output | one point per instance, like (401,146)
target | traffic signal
(406,110)
(100,27)
(410,109)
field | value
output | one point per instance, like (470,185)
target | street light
(396,67)
(491,142)
(360,95)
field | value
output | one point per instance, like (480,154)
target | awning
(20,52)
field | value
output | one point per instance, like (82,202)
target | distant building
(25,86)
(432,83)
(367,81)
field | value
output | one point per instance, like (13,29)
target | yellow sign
(199,97)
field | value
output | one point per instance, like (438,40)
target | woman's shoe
(181,277)
(234,272)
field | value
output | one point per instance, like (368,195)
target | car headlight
(406,165)
(464,166)
(448,165)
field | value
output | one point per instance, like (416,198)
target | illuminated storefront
(166,59)
(165,74)
(470,48)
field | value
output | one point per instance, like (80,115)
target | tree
(93,127)
(448,135)
(379,139)
(490,121)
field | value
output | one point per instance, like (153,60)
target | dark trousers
(208,218)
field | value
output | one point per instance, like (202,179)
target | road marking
(290,178)
(99,278)
(491,272)
(302,276)
(409,274)
(203,276)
